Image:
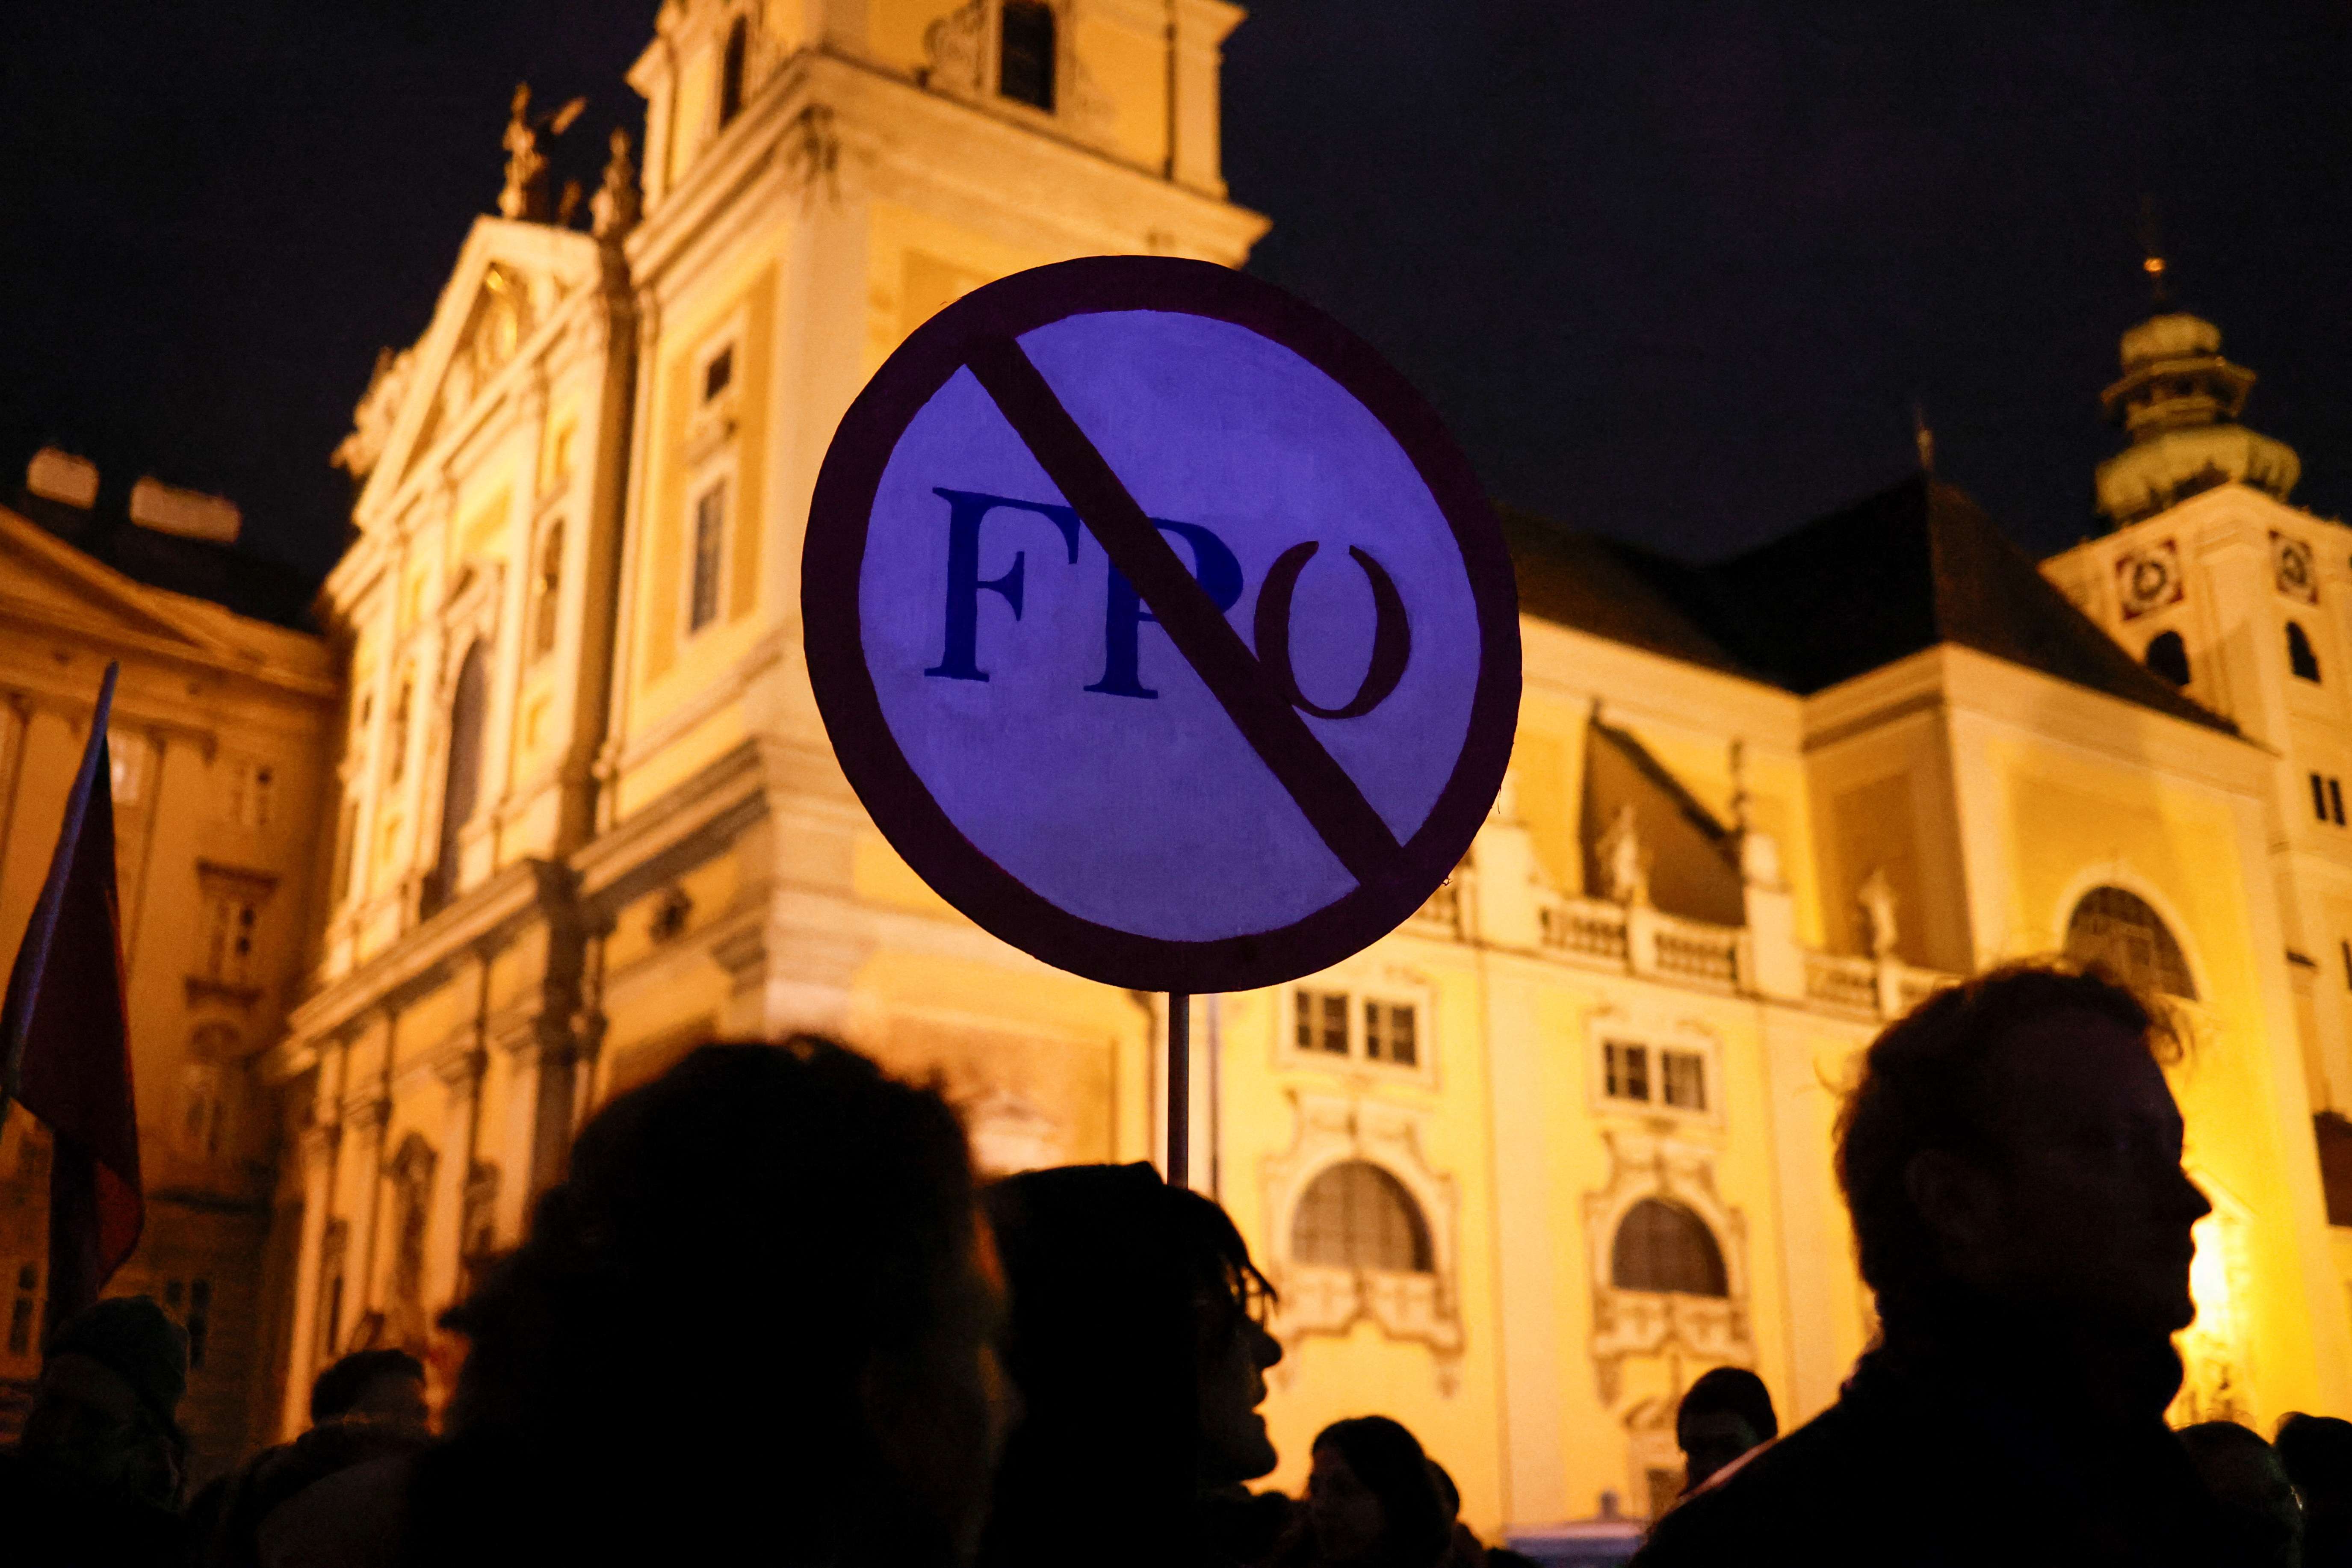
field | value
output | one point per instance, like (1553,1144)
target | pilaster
(318,1147)
(461,1074)
(367,1121)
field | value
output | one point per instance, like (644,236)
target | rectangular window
(1322,1023)
(228,938)
(710,538)
(2318,797)
(2346,948)
(1388,1034)
(1685,1076)
(1627,1069)
(718,372)
(2336,801)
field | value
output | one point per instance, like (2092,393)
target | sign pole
(1179,1088)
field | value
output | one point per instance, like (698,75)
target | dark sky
(1673,270)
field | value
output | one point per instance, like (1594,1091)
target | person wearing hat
(96,1476)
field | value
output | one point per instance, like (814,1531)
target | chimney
(61,477)
(191,514)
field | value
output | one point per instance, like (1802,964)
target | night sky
(1671,271)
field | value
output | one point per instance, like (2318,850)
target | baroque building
(221,718)
(1521,1169)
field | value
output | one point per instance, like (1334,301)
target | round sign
(1160,625)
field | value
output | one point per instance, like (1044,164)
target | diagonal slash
(1334,806)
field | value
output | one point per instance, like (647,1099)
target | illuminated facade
(222,719)
(1521,1169)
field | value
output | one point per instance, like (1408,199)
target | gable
(44,581)
(512,279)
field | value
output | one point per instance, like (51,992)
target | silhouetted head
(2012,1141)
(1725,1412)
(107,1402)
(761,1306)
(1138,1351)
(2318,1453)
(1372,1498)
(386,1387)
(2246,1479)
(1449,1496)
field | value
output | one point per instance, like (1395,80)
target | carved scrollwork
(1317,1297)
(1646,1166)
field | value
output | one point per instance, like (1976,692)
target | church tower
(2244,602)
(2180,400)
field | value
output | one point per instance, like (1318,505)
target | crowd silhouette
(769,1316)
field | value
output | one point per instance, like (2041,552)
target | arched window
(2169,656)
(547,591)
(1357,1216)
(2119,931)
(1024,69)
(1662,1246)
(462,790)
(730,73)
(2299,656)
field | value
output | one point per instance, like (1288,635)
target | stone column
(320,1141)
(1529,1350)
(537,1132)
(445,1234)
(367,1121)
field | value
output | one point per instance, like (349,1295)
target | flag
(64,1040)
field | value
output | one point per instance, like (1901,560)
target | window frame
(1057,44)
(1424,1238)
(1358,998)
(1671,1203)
(1682,1043)
(2168,926)
(2300,652)
(717,482)
(2170,638)
(732,89)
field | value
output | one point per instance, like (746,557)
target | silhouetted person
(369,1406)
(1140,1362)
(754,1324)
(1726,1414)
(2242,1473)
(1463,1549)
(95,1478)
(2012,1160)
(1373,1501)
(2318,1453)
(382,1387)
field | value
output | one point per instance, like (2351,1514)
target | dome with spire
(2180,400)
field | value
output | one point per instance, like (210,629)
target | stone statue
(378,406)
(1622,864)
(1759,858)
(525,197)
(1876,897)
(954,49)
(613,210)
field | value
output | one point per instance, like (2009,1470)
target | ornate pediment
(511,279)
